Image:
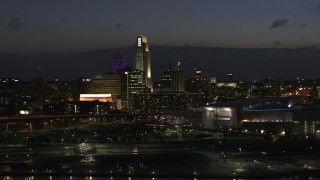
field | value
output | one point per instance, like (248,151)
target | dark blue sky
(30,29)
(31,26)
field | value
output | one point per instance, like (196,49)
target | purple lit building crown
(119,61)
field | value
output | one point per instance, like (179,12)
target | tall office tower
(119,61)
(142,59)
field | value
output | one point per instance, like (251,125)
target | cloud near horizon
(302,25)
(15,23)
(277,43)
(118,25)
(279,23)
(62,22)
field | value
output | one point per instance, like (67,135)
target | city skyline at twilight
(159,89)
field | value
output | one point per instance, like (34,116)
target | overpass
(225,132)
(29,122)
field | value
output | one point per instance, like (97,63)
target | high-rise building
(124,81)
(132,82)
(106,84)
(136,82)
(213,80)
(177,81)
(198,75)
(166,78)
(119,61)
(142,59)
(229,77)
(164,85)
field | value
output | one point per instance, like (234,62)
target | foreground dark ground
(211,157)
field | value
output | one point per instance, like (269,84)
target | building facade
(177,81)
(179,103)
(263,115)
(106,84)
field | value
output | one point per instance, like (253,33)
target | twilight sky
(31,26)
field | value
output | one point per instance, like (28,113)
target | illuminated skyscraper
(142,59)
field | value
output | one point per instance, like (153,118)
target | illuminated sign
(95,95)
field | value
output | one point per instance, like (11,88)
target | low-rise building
(265,115)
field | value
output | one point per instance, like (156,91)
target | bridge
(225,132)
(29,122)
